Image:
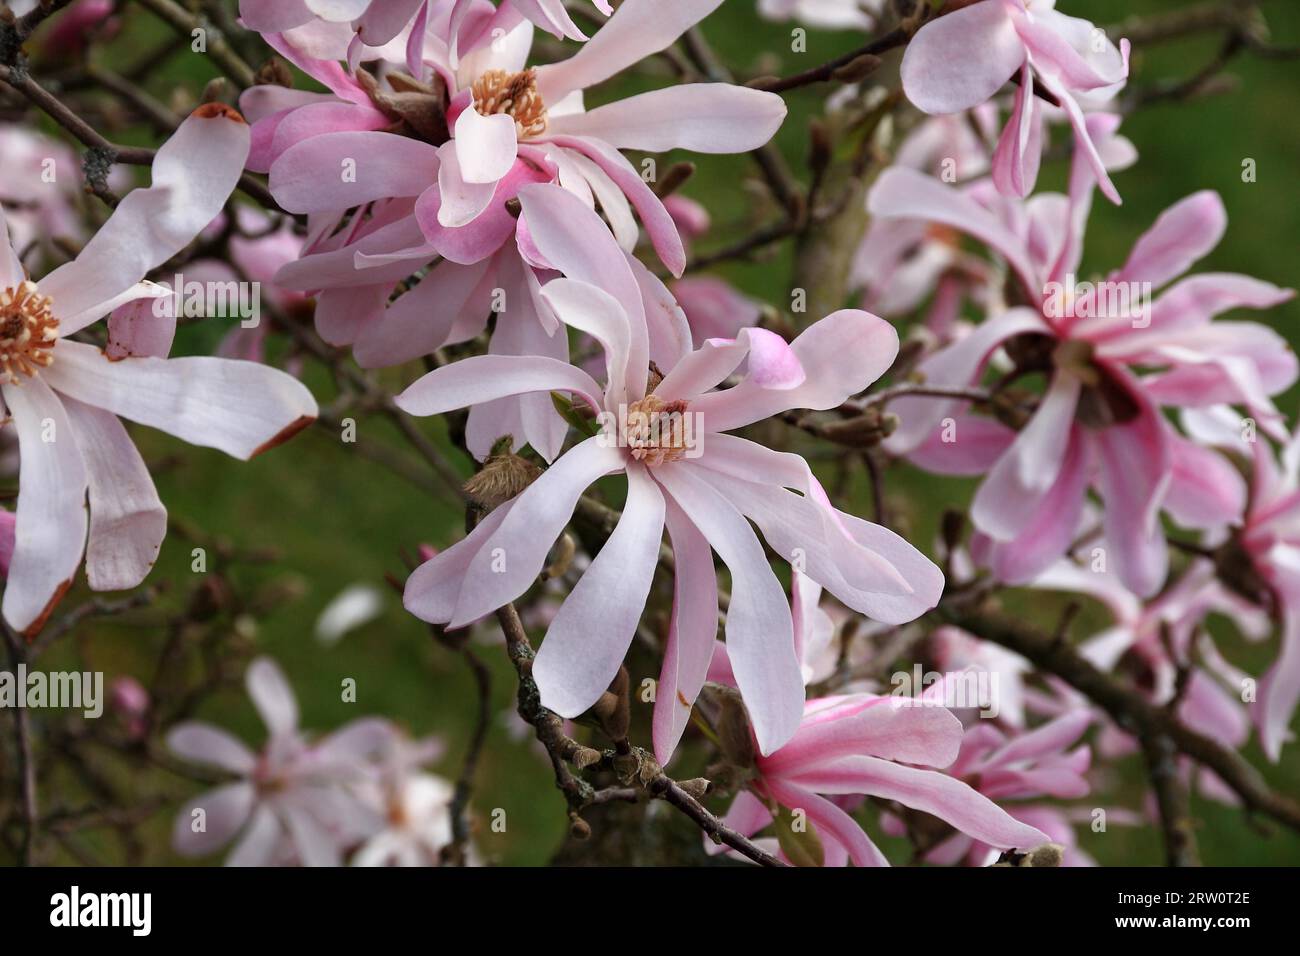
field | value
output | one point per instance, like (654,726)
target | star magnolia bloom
(684,473)
(1097,420)
(63,396)
(862,744)
(294,792)
(959,60)
(511,125)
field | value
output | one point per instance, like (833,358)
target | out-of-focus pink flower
(862,744)
(701,484)
(959,60)
(1098,421)
(415,807)
(1154,644)
(294,793)
(64,396)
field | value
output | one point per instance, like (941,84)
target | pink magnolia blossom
(415,807)
(961,59)
(1099,422)
(295,795)
(702,492)
(64,397)
(863,744)
(511,125)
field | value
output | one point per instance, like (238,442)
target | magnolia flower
(415,807)
(684,473)
(63,396)
(862,744)
(294,794)
(1097,421)
(960,59)
(510,125)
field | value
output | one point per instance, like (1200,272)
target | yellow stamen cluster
(514,94)
(28,331)
(655,430)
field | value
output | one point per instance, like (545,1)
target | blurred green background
(338,519)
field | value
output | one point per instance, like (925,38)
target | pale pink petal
(1004,503)
(961,59)
(260,840)
(485,145)
(1205,491)
(50,532)
(831,823)
(638,29)
(1136,463)
(508,557)
(460,201)
(210,746)
(1184,233)
(760,634)
(1052,522)
(1020,148)
(692,629)
(193,174)
(929,791)
(337,171)
(701,117)
(482,378)
(1280,690)
(242,408)
(977,442)
(420,320)
(272,696)
(127,521)
(274,16)
(594,627)
(914,734)
(829,380)
(590,309)
(225,810)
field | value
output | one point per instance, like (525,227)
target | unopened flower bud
(503,476)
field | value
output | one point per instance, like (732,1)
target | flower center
(28,331)
(657,431)
(514,94)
